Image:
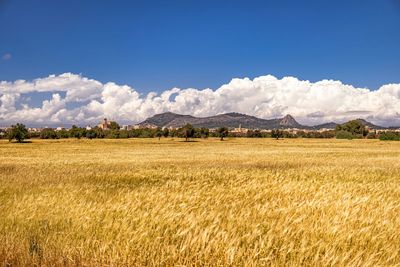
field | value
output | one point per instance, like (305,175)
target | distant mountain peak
(288,120)
(369,124)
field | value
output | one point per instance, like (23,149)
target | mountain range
(234,120)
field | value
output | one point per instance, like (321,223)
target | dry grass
(240,202)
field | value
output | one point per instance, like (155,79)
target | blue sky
(156,45)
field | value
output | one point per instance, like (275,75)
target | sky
(317,60)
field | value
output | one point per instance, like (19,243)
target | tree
(99,132)
(204,132)
(76,132)
(62,134)
(91,134)
(114,126)
(276,133)
(354,127)
(48,133)
(166,132)
(113,134)
(187,131)
(159,133)
(18,132)
(123,134)
(222,132)
(257,133)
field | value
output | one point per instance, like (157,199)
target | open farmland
(168,202)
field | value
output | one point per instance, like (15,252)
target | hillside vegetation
(166,202)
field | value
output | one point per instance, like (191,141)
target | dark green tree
(173,132)
(48,133)
(276,133)
(114,126)
(166,132)
(222,132)
(91,134)
(77,132)
(257,133)
(18,132)
(159,133)
(354,127)
(62,134)
(113,134)
(187,131)
(204,132)
(99,132)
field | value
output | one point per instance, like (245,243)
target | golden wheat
(239,202)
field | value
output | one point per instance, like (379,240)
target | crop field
(251,202)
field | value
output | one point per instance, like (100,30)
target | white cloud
(264,97)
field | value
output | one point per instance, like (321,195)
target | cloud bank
(74,99)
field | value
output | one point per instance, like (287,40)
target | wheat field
(241,202)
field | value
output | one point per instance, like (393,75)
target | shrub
(389,136)
(62,134)
(344,135)
(91,134)
(48,133)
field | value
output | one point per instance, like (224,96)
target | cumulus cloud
(86,101)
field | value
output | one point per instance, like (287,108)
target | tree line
(350,130)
